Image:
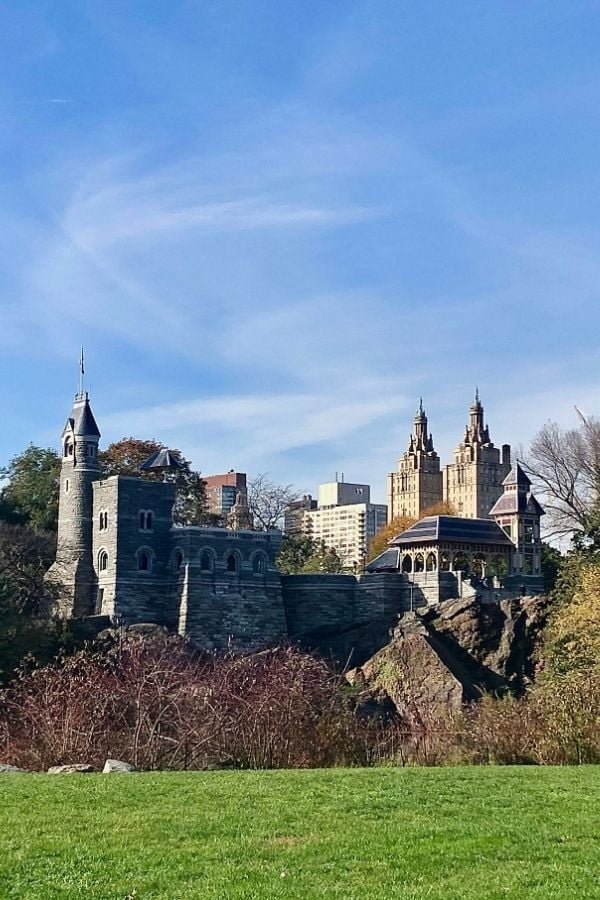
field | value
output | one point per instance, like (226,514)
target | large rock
(117,765)
(494,645)
(76,769)
(6,769)
(450,653)
(410,673)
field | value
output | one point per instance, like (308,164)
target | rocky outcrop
(490,646)
(451,653)
(75,769)
(6,769)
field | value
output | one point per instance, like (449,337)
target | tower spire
(81,371)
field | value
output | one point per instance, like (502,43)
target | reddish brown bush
(158,705)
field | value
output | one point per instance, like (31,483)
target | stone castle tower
(473,482)
(80,468)
(417,485)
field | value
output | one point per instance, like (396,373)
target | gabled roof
(81,421)
(452,529)
(520,500)
(534,506)
(517,476)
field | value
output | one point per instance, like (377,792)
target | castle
(470,485)
(120,555)
(122,559)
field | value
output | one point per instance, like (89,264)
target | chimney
(506,454)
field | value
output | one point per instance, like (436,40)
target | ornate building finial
(81,372)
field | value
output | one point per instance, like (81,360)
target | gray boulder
(76,769)
(117,765)
(6,769)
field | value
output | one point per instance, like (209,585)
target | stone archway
(498,566)
(407,564)
(431,562)
(480,565)
(419,562)
(460,563)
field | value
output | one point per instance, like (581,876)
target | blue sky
(275,225)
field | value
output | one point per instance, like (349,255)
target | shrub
(159,705)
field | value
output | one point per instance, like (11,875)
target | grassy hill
(412,833)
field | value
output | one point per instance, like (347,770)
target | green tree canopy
(26,600)
(31,493)
(305,556)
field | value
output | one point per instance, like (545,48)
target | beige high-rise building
(344,519)
(473,482)
(417,485)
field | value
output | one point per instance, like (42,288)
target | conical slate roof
(81,421)
(162,459)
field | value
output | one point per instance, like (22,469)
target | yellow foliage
(379,543)
(575,629)
(443,508)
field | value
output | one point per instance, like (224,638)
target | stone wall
(219,606)
(126,591)
(346,617)
(313,602)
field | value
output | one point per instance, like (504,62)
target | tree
(267,501)
(574,632)
(126,456)
(388,532)
(304,556)
(565,467)
(551,563)
(31,494)
(26,599)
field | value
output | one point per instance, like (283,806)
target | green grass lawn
(362,833)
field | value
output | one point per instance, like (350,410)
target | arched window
(144,560)
(445,562)
(103,520)
(178,559)
(407,564)
(419,563)
(479,565)
(232,563)
(259,564)
(460,563)
(68,448)
(102,561)
(431,562)
(146,518)
(206,561)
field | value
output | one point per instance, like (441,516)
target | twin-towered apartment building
(470,485)
(344,518)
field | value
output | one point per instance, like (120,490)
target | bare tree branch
(564,465)
(268,501)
